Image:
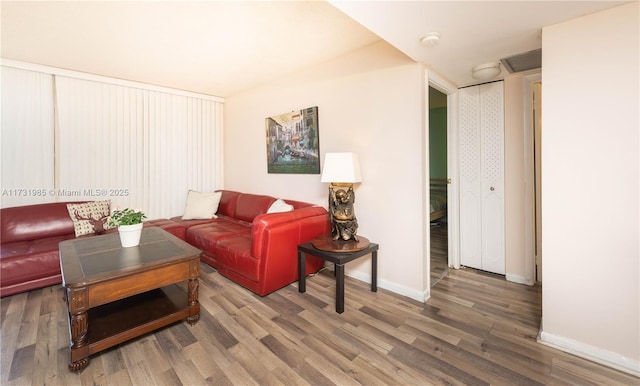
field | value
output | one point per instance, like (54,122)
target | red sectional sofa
(29,250)
(255,249)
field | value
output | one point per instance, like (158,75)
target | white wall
(590,194)
(369,102)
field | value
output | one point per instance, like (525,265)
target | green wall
(438,142)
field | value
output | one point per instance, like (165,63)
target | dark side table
(338,253)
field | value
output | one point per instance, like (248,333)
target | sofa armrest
(284,231)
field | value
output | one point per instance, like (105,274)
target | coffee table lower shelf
(119,321)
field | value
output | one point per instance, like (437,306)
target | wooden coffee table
(115,294)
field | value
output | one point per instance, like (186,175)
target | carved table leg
(78,305)
(79,328)
(194,305)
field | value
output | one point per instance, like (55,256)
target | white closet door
(492,186)
(482,177)
(470,178)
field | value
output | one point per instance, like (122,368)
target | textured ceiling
(213,47)
(471,32)
(224,47)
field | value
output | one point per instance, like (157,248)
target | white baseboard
(388,285)
(404,291)
(518,279)
(591,353)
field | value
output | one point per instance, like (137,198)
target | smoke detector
(431,39)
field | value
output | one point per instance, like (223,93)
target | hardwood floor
(476,329)
(439,252)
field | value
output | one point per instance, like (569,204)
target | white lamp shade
(341,167)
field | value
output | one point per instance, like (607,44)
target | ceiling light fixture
(431,39)
(486,71)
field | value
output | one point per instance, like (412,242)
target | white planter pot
(130,235)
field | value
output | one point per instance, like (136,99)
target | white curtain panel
(182,150)
(27,137)
(100,142)
(138,148)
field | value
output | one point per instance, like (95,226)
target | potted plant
(129,223)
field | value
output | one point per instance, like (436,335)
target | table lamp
(341,171)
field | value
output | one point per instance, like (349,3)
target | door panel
(492,234)
(492,134)
(470,181)
(470,225)
(482,177)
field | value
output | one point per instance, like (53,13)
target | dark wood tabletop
(90,259)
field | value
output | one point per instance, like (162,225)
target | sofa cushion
(30,260)
(228,201)
(188,223)
(249,206)
(234,253)
(206,236)
(170,226)
(201,205)
(90,217)
(22,223)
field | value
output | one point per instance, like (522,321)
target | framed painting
(292,142)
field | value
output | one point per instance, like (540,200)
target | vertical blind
(27,136)
(137,147)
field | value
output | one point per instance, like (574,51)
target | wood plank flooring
(439,252)
(477,329)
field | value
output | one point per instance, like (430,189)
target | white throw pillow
(279,206)
(201,206)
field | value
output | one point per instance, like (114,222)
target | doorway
(537,140)
(532,175)
(438,157)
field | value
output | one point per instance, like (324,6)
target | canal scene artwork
(292,142)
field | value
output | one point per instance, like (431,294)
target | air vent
(523,62)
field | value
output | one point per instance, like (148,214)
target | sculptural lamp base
(341,171)
(344,224)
